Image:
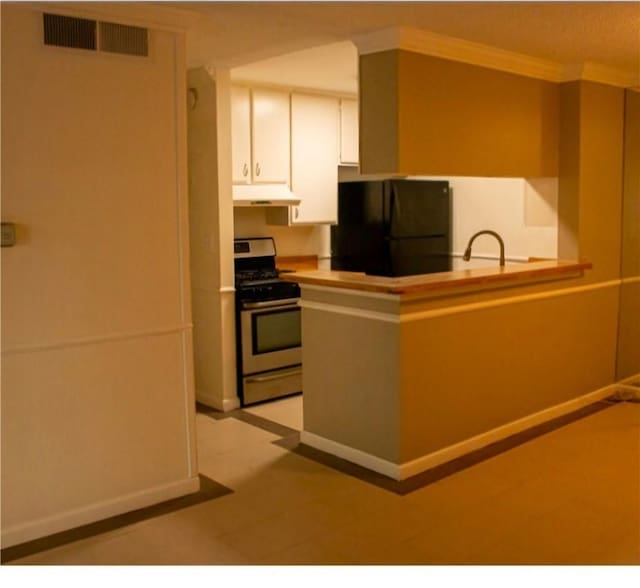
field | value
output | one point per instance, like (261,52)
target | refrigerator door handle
(392,207)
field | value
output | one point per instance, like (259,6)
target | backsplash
(290,241)
(523,212)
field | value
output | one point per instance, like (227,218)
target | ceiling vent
(80,33)
(68,31)
(117,38)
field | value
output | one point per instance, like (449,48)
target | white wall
(290,241)
(522,212)
(97,377)
(211,223)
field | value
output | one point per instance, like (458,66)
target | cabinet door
(240,135)
(270,137)
(314,170)
(349,132)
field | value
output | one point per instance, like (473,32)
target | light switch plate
(8,234)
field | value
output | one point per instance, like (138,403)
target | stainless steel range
(267,324)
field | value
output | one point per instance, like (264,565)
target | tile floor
(571,496)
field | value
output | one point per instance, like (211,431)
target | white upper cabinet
(314,169)
(241,134)
(349,132)
(260,132)
(270,136)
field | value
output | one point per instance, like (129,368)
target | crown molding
(435,45)
(594,72)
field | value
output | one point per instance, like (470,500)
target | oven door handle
(271,303)
(281,374)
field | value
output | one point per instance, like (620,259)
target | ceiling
(568,33)
(332,67)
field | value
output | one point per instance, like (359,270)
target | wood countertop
(297,263)
(481,278)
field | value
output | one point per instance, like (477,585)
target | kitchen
(323,151)
(133,344)
(487,194)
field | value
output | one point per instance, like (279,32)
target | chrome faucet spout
(467,251)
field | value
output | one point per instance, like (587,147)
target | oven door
(270,335)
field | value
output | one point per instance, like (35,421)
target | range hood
(263,195)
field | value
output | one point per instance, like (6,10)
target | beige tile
(147,546)
(231,435)
(322,551)
(569,497)
(240,467)
(285,411)
(286,529)
(225,515)
(568,535)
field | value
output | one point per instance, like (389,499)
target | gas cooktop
(256,276)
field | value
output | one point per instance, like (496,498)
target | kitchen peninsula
(402,374)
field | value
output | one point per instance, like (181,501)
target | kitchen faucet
(467,252)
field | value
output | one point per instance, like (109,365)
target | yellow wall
(379,117)
(590,187)
(454,118)
(631,203)
(466,373)
(492,367)
(629,331)
(97,382)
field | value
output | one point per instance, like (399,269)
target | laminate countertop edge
(509,275)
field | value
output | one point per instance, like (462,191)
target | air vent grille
(117,38)
(80,33)
(67,31)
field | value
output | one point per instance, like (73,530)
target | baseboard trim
(630,379)
(628,392)
(403,471)
(366,460)
(95,512)
(441,456)
(629,387)
(224,405)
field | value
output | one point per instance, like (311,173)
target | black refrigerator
(392,227)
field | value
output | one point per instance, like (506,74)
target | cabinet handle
(245,170)
(257,169)
(297,213)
